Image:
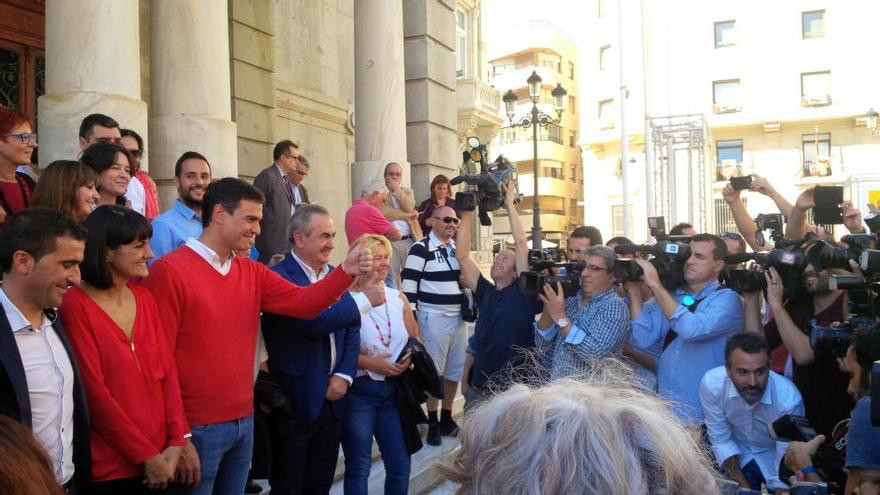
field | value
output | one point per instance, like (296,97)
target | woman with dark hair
(440,191)
(16,145)
(113,163)
(69,187)
(130,378)
(25,469)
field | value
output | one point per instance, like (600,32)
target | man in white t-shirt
(400,209)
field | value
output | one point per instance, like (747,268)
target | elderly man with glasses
(574,332)
(281,183)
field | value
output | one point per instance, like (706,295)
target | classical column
(379,91)
(92,66)
(190,96)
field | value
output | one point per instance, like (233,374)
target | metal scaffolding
(677,166)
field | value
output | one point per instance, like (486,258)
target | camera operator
(504,322)
(797,221)
(572,333)
(815,371)
(741,216)
(580,239)
(862,438)
(692,323)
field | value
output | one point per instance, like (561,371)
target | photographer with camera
(504,323)
(814,371)
(574,332)
(862,438)
(744,222)
(739,400)
(692,322)
(797,221)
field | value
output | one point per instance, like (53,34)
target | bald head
(443,230)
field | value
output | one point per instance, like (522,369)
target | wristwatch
(562,322)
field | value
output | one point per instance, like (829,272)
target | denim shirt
(699,347)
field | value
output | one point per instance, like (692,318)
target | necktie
(287,191)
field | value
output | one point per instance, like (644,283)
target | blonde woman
(593,437)
(371,410)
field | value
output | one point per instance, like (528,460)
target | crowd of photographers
(757,350)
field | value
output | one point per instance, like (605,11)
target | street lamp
(871,121)
(534,119)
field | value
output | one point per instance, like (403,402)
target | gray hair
(605,252)
(374,186)
(594,437)
(301,221)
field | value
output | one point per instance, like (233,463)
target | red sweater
(132,393)
(211,323)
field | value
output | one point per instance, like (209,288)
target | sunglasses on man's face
(448,220)
(734,236)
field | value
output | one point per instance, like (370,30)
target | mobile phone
(740,183)
(827,200)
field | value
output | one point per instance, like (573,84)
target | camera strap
(672,334)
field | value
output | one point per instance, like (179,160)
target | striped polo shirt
(430,277)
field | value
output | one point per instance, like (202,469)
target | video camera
(485,191)
(668,258)
(769,221)
(567,273)
(789,264)
(657,230)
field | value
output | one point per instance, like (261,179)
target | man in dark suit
(315,361)
(281,183)
(40,253)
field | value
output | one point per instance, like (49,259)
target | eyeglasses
(24,136)
(594,268)
(734,236)
(449,220)
(136,153)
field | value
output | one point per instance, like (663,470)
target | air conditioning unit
(815,101)
(719,108)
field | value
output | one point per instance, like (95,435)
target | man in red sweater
(210,302)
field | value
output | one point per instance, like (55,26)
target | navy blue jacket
(15,401)
(299,350)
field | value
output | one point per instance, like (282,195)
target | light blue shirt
(698,348)
(172,228)
(737,428)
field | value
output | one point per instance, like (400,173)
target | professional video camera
(657,230)
(789,264)
(485,190)
(823,255)
(549,261)
(863,306)
(772,222)
(667,257)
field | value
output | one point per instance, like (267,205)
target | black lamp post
(534,119)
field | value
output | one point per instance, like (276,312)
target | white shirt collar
(433,240)
(210,255)
(280,170)
(16,318)
(311,273)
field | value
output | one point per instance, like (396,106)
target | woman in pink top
(129,376)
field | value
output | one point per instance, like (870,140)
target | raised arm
(470,272)
(521,242)
(763,186)
(797,221)
(741,217)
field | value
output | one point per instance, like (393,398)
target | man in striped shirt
(430,280)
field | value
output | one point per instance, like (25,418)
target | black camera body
(486,192)
(566,273)
(773,222)
(789,264)
(668,258)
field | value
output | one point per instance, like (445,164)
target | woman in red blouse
(17,142)
(129,375)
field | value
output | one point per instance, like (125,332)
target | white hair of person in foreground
(592,437)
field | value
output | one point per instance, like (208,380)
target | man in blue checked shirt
(692,323)
(572,333)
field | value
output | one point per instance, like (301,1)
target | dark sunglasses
(449,220)
(734,236)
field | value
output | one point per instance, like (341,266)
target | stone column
(92,66)
(379,91)
(190,96)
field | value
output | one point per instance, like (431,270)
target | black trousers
(304,461)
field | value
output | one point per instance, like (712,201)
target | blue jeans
(225,451)
(371,410)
